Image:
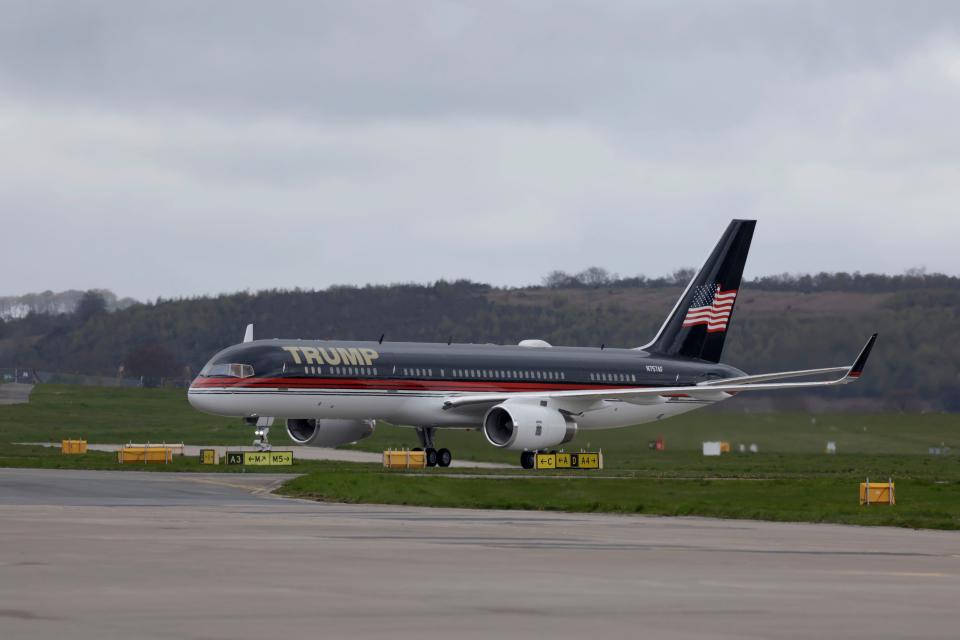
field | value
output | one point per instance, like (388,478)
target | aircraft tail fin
(697,326)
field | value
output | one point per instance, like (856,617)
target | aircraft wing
(711,390)
(766,377)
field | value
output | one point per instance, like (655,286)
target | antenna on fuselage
(380,341)
(602,345)
(248,334)
(449,341)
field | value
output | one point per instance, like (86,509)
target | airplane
(527,397)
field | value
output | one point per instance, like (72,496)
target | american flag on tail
(710,306)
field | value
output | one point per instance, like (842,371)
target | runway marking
(23,614)
(248,488)
(898,574)
(576,474)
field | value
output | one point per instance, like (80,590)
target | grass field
(112,415)
(115,415)
(922,503)
(772,433)
(790,479)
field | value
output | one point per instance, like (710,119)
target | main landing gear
(527,459)
(435,457)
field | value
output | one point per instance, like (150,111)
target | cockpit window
(227,371)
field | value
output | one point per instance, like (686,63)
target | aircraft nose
(194,397)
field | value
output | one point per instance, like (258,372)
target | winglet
(248,334)
(857,369)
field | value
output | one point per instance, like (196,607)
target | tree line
(914,365)
(594,277)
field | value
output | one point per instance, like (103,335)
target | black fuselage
(466,366)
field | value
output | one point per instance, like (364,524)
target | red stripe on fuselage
(375,384)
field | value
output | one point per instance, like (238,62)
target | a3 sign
(260,458)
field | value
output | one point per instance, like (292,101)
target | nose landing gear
(435,457)
(261,432)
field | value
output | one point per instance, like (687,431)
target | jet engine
(521,426)
(328,433)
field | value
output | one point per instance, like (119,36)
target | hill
(780,323)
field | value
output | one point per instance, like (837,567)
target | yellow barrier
(405,459)
(177,448)
(562,460)
(145,455)
(73,447)
(877,492)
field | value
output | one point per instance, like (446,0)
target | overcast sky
(180,148)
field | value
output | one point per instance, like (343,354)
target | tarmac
(15,393)
(299,453)
(87,554)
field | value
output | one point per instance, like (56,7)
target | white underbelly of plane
(403,408)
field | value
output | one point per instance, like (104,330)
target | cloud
(179,148)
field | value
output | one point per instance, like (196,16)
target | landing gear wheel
(444,457)
(262,441)
(527,459)
(431,457)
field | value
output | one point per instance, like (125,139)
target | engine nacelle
(328,433)
(521,426)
